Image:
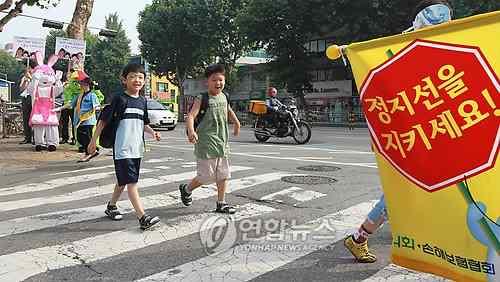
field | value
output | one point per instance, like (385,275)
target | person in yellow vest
(85,106)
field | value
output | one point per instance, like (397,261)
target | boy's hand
(192,137)
(236,129)
(157,136)
(91,148)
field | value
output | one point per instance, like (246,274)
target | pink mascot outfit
(45,86)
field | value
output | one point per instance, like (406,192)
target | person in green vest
(71,90)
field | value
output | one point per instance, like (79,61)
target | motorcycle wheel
(261,138)
(303,135)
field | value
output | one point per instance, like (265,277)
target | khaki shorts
(212,170)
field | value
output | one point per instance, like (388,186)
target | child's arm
(192,136)
(234,119)
(151,131)
(91,148)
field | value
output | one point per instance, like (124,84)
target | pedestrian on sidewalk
(84,107)
(26,103)
(427,13)
(71,91)
(207,129)
(129,112)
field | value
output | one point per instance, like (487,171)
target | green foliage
(108,57)
(44,4)
(465,8)
(13,69)
(172,41)
(284,26)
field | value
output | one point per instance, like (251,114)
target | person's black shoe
(24,142)
(64,141)
(72,142)
(147,221)
(186,197)
(38,148)
(81,150)
(113,213)
(225,208)
(52,148)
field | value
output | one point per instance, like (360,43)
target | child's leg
(376,217)
(222,175)
(116,194)
(221,190)
(85,136)
(145,220)
(205,174)
(133,196)
(195,183)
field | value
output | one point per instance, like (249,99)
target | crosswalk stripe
(58,182)
(240,264)
(101,190)
(21,265)
(394,273)
(47,220)
(162,160)
(82,170)
(296,193)
(371,165)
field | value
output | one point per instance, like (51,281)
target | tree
(12,68)
(172,43)
(464,8)
(12,9)
(108,56)
(83,10)
(283,27)
(228,42)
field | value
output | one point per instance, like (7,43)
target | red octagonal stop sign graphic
(433,111)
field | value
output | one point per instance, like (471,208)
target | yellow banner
(432,103)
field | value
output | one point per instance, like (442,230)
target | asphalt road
(295,205)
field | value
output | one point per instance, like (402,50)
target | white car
(161,116)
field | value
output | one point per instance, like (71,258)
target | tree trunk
(12,13)
(81,15)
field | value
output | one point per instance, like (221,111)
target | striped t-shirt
(133,114)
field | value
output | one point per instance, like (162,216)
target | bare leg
(193,185)
(133,196)
(116,194)
(221,190)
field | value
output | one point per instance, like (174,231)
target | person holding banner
(427,13)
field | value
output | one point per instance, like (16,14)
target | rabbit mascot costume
(45,86)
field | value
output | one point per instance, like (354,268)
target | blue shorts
(378,211)
(127,171)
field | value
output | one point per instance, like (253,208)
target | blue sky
(127,10)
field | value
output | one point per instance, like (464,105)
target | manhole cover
(318,168)
(308,179)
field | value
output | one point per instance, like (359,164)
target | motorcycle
(288,124)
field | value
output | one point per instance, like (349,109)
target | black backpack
(203,109)
(108,133)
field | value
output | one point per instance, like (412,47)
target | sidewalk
(14,156)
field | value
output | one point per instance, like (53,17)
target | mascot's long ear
(52,60)
(39,58)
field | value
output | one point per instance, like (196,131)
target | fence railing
(11,119)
